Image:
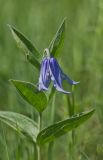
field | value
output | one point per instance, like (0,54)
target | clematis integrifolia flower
(51,71)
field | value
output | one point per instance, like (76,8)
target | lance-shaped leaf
(20,123)
(57,42)
(60,128)
(31,94)
(31,52)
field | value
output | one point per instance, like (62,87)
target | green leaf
(33,61)
(31,94)
(20,123)
(57,42)
(60,128)
(31,52)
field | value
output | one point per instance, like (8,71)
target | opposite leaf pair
(37,99)
(26,126)
(50,69)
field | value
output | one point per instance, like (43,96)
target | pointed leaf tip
(58,40)
(60,128)
(26,45)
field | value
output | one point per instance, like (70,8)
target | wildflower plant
(39,95)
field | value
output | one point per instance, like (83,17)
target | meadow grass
(81,58)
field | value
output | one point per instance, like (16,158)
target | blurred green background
(81,58)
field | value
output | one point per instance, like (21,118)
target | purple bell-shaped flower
(51,71)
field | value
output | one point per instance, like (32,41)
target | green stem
(69,106)
(71,110)
(5,142)
(35,152)
(36,146)
(50,150)
(40,121)
(53,110)
(51,144)
(73,105)
(38,153)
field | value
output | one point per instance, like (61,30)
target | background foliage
(81,58)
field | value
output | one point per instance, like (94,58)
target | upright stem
(35,152)
(51,144)
(73,103)
(38,149)
(71,110)
(40,121)
(50,150)
(5,143)
(38,153)
(53,109)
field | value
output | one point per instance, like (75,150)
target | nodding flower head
(51,71)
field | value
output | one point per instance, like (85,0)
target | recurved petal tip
(62,90)
(74,83)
